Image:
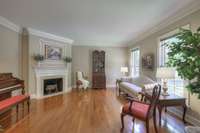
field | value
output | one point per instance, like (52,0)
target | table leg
(184,112)
(117,90)
(160,114)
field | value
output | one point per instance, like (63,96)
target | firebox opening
(53,86)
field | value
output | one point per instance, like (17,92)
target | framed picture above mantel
(53,52)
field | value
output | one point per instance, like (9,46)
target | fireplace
(51,81)
(52,86)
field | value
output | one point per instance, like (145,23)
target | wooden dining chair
(141,110)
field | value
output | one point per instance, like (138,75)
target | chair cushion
(11,101)
(138,110)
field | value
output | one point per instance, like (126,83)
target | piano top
(7,80)
(5,76)
(8,83)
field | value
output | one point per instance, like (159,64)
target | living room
(99,66)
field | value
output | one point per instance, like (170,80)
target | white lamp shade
(124,69)
(165,73)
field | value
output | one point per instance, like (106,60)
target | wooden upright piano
(8,83)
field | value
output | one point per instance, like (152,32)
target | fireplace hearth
(52,86)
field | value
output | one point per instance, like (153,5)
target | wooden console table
(169,101)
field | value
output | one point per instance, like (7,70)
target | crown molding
(187,10)
(91,43)
(6,23)
(49,36)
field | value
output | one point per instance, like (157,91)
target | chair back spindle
(154,99)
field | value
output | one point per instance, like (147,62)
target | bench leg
(28,103)
(17,108)
(17,111)
(23,105)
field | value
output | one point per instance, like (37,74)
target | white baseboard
(110,86)
(107,86)
(73,86)
(33,96)
(70,88)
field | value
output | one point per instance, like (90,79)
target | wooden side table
(168,101)
(171,101)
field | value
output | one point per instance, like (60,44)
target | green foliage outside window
(184,55)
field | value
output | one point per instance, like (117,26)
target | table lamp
(165,73)
(124,70)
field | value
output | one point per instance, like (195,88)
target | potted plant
(38,58)
(67,60)
(184,55)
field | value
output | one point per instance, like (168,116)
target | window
(135,62)
(175,86)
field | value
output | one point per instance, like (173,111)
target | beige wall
(115,59)
(10,51)
(25,51)
(150,45)
(34,48)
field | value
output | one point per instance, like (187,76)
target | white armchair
(81,81)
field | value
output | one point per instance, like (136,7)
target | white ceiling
(91,22)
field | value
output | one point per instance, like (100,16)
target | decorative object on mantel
(67,60)
(148,61)
(184,55)
(38,57)
(165,73)
(53,52)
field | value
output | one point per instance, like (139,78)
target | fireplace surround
(54,80)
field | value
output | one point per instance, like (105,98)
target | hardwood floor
(92,111)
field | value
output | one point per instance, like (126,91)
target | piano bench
(14,101)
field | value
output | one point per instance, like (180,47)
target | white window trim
(166,35)
(131,63)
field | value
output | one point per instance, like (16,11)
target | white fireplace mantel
(42,73)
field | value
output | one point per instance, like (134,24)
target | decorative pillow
(126,79)
(142,80)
